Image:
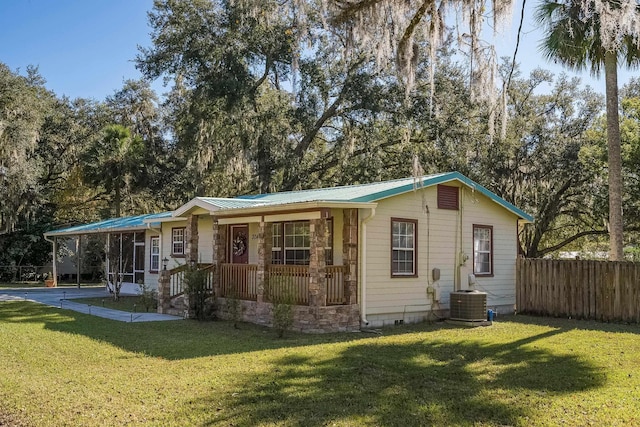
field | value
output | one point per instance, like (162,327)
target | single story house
(359,255)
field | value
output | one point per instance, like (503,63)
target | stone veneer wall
(350,254)
(191,240)
(332,318)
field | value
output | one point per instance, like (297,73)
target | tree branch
(571,239)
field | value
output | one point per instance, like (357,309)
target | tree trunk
(615,158)
(117,199)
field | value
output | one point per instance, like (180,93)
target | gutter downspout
(363,268)
(54,259)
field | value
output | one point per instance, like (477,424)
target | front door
(239,244)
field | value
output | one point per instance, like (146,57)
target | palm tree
(574,39)
(114,161)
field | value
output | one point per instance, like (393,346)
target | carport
(124,244)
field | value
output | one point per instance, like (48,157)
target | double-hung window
(177,241)
(155,254)
(482,250)
(291,243)
(404,247)
(276,243)
(297,243)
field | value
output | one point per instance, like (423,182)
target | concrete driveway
(63,298)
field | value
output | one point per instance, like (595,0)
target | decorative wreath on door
(239,245)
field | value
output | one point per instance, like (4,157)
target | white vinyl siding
(439,232)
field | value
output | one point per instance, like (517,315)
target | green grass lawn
(60,367)
(131,304)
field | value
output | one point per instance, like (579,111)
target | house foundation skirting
(333,318)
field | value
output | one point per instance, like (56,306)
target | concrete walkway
(63,298)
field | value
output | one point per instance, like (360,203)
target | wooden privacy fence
(601,290)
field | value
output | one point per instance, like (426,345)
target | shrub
(281,296)
(234,308)
(200,298)
(148,297)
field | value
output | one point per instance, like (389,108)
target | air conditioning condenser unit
(468,306)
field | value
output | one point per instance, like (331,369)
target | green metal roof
(113,224)
(372,192)
(223,203)
(361,193)
(349,193)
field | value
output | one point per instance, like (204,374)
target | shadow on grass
(419,383)
(417,379)
(579,324)
(172,340)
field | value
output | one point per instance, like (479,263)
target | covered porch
(307,258)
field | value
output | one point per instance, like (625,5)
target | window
(276,243)
(155,254)
(403,247)
(448,197)
(297,243)
(177,241)
(291,243)
(483,250)
(328,250)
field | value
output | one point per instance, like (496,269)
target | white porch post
(55,261)
(106,264)
(79,259)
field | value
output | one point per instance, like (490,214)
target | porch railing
(335,284)
(285,281)
(177,276)
(288,282)
(239,280)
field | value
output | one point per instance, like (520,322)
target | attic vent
(470,306)
(447,197)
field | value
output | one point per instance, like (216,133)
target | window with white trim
(297,243)
(155,254)
(291,243)
(276,243)
(177,241)
(482,250)
(403,247)
(328,250)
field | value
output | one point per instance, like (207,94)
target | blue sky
(85,48)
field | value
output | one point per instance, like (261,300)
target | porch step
(175,312)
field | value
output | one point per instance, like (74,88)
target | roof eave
(166,219)
(196,202)
(97,231)
(269,208)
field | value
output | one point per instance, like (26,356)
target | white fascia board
(167,219)
(97,231)
(194,203)
(240,220)
(296,216)
(269,209)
